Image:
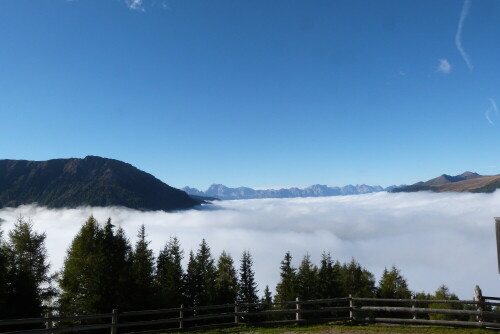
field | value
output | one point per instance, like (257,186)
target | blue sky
(256,93)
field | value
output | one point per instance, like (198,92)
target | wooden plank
(416,301)
(497,227)
(449,323)
(416,310)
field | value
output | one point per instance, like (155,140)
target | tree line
(102,271)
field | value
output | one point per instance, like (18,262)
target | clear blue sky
(256,93)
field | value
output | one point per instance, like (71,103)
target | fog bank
(434,238)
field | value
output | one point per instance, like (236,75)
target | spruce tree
(170,275)
(81,279)
(191,282)
(200,277)
(393,285)
(307,280)
(286,289)
(356,280)
(226,282)
(143,260)
(116,271)
(4,286)
(267,298)
(206,272)
(443,293)
(247,287)
(27,274)
(96,271)
(328,280)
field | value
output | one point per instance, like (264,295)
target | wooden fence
(453,313)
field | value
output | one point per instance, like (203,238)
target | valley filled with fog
(434,238)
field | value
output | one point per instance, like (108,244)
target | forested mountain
(225,193)
(92,181)
(465,182)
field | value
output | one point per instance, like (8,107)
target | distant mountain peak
(316,190)
(467,181)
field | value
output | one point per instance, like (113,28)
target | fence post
(48,323)
(181,316)
(413,306)
(114,320)
(478,296)
(297,307)
(351,310)
(236,311)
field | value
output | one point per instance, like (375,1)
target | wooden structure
(476,313)
(497,228)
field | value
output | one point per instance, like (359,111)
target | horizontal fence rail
(477,313)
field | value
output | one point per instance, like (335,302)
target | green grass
(337,328)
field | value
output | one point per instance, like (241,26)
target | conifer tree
(443,293)
(29,281)
(200,277)
(307,280)
(328,280)
(142,273)
(247,287)
(393,285)
(3,277)
(356,281)
(267,298)
(286,290)
(116,271)
(206,272)
(226,282)
(191,281)
(96,271)
(170,275)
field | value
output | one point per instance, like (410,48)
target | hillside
(466,182)
(92,181)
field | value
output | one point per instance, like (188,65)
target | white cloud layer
(433,238)
(444,66)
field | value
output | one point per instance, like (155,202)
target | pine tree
(170,275)
(356,281)
(286,290)
(443,293)
(267,298)
(4,286)
(191,285)
(206,272)
(116,270)
(96,271)
(200,277)
(226,282)
(81,281)
(247,287)
(27,271)
(307,280)
(393,285)
(328,280)
(142,273)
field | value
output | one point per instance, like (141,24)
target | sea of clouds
(434,238)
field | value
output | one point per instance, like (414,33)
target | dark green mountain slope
(91,181)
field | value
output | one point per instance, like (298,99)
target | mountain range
(465,182)
(222,192)
(92,181)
